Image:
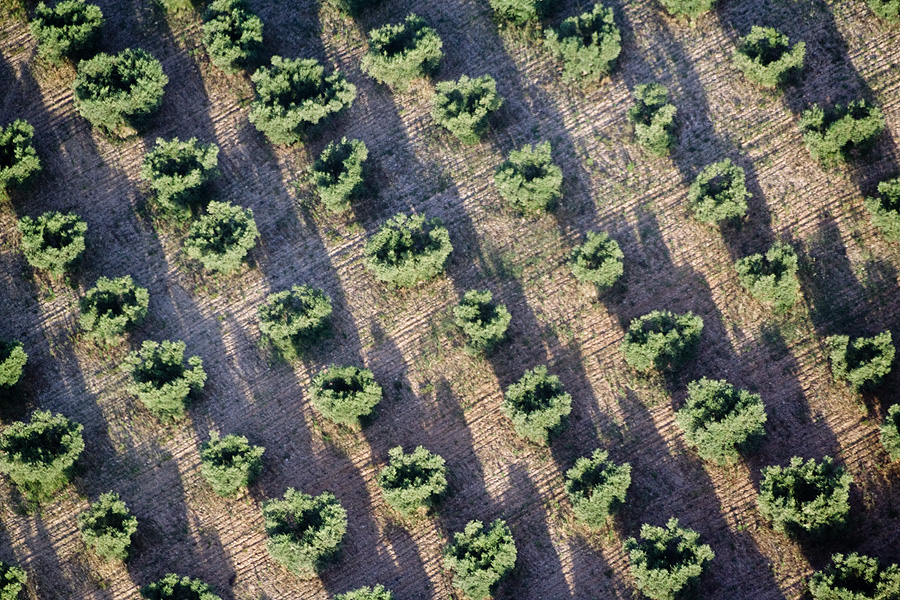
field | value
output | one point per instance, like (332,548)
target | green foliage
(463,107)
(719,193)
(379,592)
(53,242)
(479,559)
(338,173)
(295,94)
(861,362)
(222,237)
(596,486)
(413,481)
(173,587)
(482,321)
(39,455)
(295,319)
(178,171)
(805,498)
(890,432)
(119,93)
(107,526)
(18,158)
(345,395)
(112,307)
(667,560)
(766,58)
(661,340)
(521,12)
(537,405)
(529,180)
(12,580)
(855,577)
(230,463)
(834,136)
(233,35)
(721,420)
(889,10)
(688,8)
(71,29)
(304,531)
(885,208)
(653,118)
(160,379)
(12,363)
(402,52)
(598,260)
(587,44)
(771,277)
(354,7)
(408,249)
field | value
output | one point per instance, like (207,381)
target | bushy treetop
(464,106)
(413,481)
(174,587)
(161,380)
(855,577)
(338,173)
(890,432)
(401,52)
(112,307)
(661,339)
(666,560)
(537,405)
(596,486)
(833,136)
(232,34)
(222,238)
(107,527)
(688,8)
(54,241)
(18,158)
(889,10)
(12,362)
(70,29)
(719,193)
(296,318)
(599,260)
(479,558)
(408,249)
(230,463)
(653,118)
(771,277)
(862,362)
(529,179)
(588,44)
(12,579)
(766,57)
(521,12)
(177,171)
(885,208)
(345,395)
(378,592)
(482,320)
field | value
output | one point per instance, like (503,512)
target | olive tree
(293,95)
(805,498)
(345,395)
(174,587)
(295,319)
(408,249)
(833,136)
(70,29)
(222,238)
(119,93)
(765,57)
(479,558)
(666,561)
(12,363)
(112,307)
(18,158)
(587,44)
(537,405)
(12,580)
(107,527)
(178,172)
(232,34)
(688,8)
(855,577)
(889,10)
(338,173)
(862,362)
(520,12)
(653,118)
(230,463)
(354,7)
(54,241)
(662,340)
(771,277)
(884,208)
(378,592)
(39,455)
(890,432)
(304,532)
(413,482)
(401,52)
(483,321)
(599,260)
(161,379)
(596,486)
(529,179)
(464,107)
(719,193)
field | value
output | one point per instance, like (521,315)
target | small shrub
(233,35)
(482,321)
(18,158)
(222,238)
(295,319)
(107,526)
(889,10)
(884,208)
(661,340)
(653,118)
(890,432)
(529,179)
(295,94)
(173,587)
(537,405)
(119,93)
(354,7)
(379,592)
(805,498)
(12,580)
(596,486)
(766,58)
(71,29)
(719,193)
(112,307)
(304,531)
(855,577)
(688,8)
(771,277)
(408,249)
(666,560)
(39,455)
(178,171)
(12,363)
(402,52)
(587,44)
(414,481)
(345,395)
(338,173)
(463,107)
(53,242)
(479,559)
(598,260)
(521,12)
(861,362)
(230,463)
(835,136)
(160,379)
(721,420)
